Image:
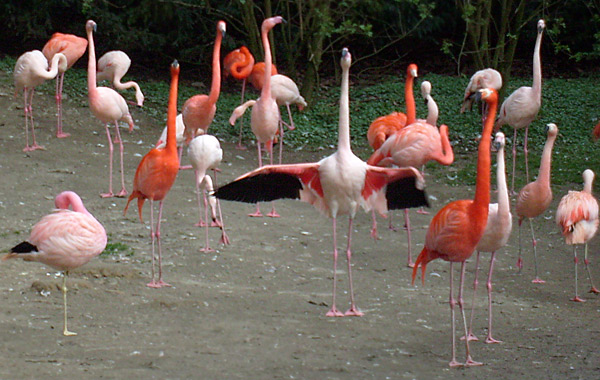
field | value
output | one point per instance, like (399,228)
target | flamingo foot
(538,280)
(122,194)
(107,195)
(472,363)
(215,223)
(33,147)
(200,224)
(392,228)
(520,264)
(334,312)
(422,211)
(206,249)
(455,364)
(256,214)
(491,340)
(239,146)
(68,333)
(353,312)
(224,239)
(594,290)
(157,284)
(577,299)
(374,234)
(62,135)
(471,337)
(273,214)
(185,167)
(410,264)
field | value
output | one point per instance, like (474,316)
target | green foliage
(117,249)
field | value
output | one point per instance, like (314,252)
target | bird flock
(337,185)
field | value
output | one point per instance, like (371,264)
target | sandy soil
(256,309)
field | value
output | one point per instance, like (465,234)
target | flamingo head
(269,23)
(588,177)
(425,89)
(489,95)
(222,27)
(499,141)
(541,25)
(551,129)
(90,26)
(346,58)
(411,70)
(62,62)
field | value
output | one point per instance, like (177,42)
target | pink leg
(520,260)
(224,238)
(59,89)
(207,247)
(537,279)
(410,262)
(470,334)
(26,110)
(123,191)
(514,152)
(587,267)
(489,338)
(576,298)
(180,154)
(201,222)
(374,225)
(469,361)
(526,152)
(29,110)
(273,213)
(160,282)
(152,283)
(280,140)
(239,144)
(257,213)
(110,164)
(390,225)
(334,312)
(353,311)
(452,302)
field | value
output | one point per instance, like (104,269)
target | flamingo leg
(201,222)
(29,111)
(353,311)
(224,238)
(239,144)
(152,284)
(593,289)
(110,164)
(390,225)
(273,213)
(59,88)
(520,260)
(410,262)
(280,140)
(26,110)
(489,338)
(537,279)
(514,158)
(160,282)
(469,361)
(576,298)
(257,213)
(452,302)
(206,247)
(123,191)
(66,331)
(374,225)
(470,335)
(334,312)
(526,152)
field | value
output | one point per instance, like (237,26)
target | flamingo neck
(587,186)
(266,89)
(482,187)
(446,157)
(537,66)
(545,164)
(171,144)
(344,123)
(409,97)
(215,87)
(432,111)
(91,62)
(69,198)
(51,74)
(503,201)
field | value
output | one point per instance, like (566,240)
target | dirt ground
(256,309)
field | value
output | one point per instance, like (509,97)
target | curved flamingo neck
(244,68)
(215,87)
(446,156)
(482,187)
(69,198)
(172,111)
(587,185)
(91,61)
(266,89)
(409,98)
(537,66)
(344,123)
(545,164)
(503,201)
(432,111)
(54,66)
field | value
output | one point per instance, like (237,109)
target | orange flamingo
(156,174)
(577,217)
(536,196)
(596,131)
(63,240)
(338,184)
(257,76)
(109,107)
(72,47)
(31,70)
(239,63)
(199,110)
(385,126)
(457,228)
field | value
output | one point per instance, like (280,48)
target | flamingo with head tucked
(113,66)
(486,78)
(239,63)
(337,185)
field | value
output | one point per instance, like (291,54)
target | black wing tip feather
(23,247)
(404,193)
(262,187)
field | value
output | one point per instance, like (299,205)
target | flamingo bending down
(536,196)
(486,78)
(109,107)
(199,110)
(336,185)
(577,217)
(63,240)
(156,174)
(31,70)
(205,153)
(456,229)
(522,106)
(72,47)
(257,76)
(496,234)
(113,66)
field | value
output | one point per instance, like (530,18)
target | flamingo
(109,107)
(113,66)
(385,126)
(257,76)
(239,63)
(156,174)
(432,108)
(199,110)
(336,185)
(205,153)
(596,131)
(180,138)
(72,47)
(536,196)
(31,70)
(486,78)
(285,92)
(456,229)
(577,217)
(495,236)
(64,240)
(522,106)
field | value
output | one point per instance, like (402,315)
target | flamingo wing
(403,187)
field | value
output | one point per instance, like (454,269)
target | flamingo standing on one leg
(156,174)
(109,107)
(31,70)
(239,63)
(496,234)
(486,78)
(457,228)
(336,185)
(577,216)
(64,240)
(536,196)
(205,153)
(522,106)
(72,47)
(113,66)
(199,110)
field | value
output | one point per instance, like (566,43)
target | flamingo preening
(113,66)
(486,78)
(239,63)
(337,185)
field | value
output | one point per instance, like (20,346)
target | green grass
(117,249)
(570,103)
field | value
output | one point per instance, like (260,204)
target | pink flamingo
(155,175)
(63,240)
(522,106)
(285,92)
(577,217)
(72,47)
(486,78)
(239,63)
(205,153)
(336,185)
(432,108)
(496,234)
(199,110)
(265,112)
(109,107)
(31,70)
(456,229)
(113,66)
(536,196)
